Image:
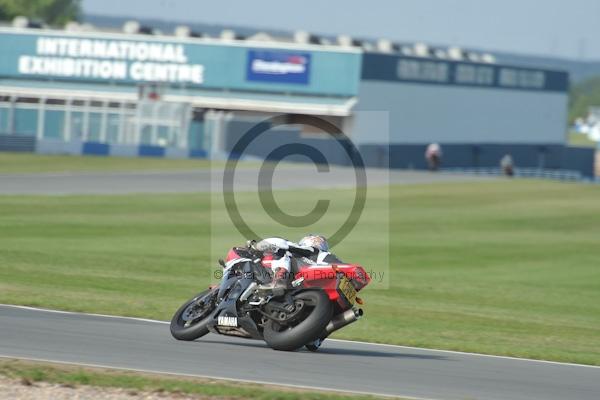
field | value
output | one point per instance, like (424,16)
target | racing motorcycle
(320,299)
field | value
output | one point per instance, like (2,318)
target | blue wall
(550,156)
(412,156)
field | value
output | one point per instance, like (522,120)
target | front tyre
(191,320)
(316,311)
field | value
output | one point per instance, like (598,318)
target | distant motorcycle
(320,300)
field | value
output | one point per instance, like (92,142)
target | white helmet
(316,241)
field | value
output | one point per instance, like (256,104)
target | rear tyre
(317,311)
(191,320)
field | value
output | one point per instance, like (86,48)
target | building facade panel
(421,113)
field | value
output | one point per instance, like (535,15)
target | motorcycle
(321,299)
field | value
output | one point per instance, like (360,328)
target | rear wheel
(191,320)
(312,313)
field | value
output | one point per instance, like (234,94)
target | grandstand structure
(136,91)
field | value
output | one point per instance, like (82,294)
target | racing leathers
(285,254)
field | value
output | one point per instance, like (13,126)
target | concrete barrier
(57,146)
(151,151)
(173,152)
(123,150)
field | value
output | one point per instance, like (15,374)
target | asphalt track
(209,180)
(146,345)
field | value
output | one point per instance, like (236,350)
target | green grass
(503,267)
(29,373)
(31,163)
(580,140)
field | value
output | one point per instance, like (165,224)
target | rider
(316,252)
(321,255)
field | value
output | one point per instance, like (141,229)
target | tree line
(52,12)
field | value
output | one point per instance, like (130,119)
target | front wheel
(315,311)
(191,320)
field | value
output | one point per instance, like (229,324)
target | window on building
(77,125)
(54,124)
(95,127)
(4,119)
(25,121)
(113,126)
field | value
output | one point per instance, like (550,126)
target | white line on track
(83,313)
(334,340)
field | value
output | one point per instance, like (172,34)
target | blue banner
(278,67)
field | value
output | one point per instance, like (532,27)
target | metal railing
(537,173)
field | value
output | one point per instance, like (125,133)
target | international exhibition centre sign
(195,63)
(117,60)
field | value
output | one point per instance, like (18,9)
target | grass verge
(73,376)
(503,267)
(580,140)
(34,163)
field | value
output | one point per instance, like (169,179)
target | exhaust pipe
(249,290)
(343,319)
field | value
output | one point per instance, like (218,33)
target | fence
(554,174)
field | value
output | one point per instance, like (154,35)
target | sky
(559,28)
